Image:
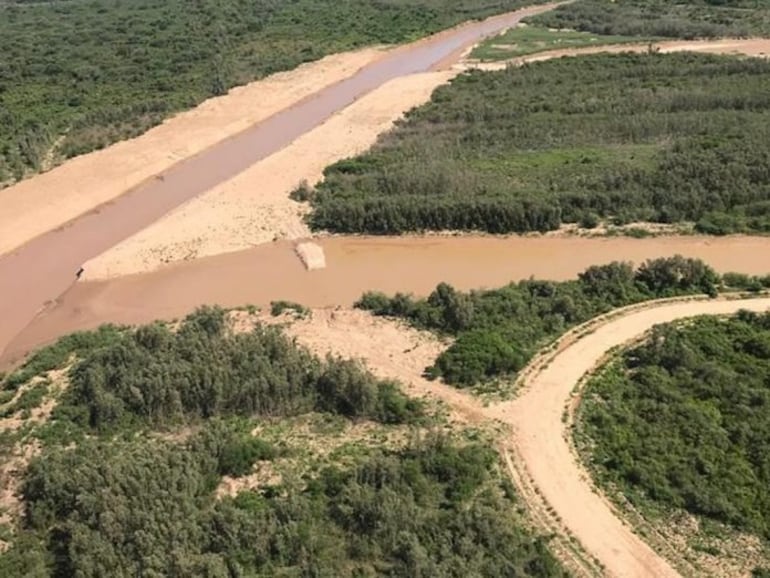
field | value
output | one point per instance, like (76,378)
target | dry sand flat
(254,206)
(47,201)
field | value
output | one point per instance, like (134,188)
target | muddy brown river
(357,264)
(40,271)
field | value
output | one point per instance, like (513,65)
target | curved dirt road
(543,449)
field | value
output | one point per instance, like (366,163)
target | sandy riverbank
(759,47)
(254,207)
(49,200)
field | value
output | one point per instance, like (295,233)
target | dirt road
(543,446)
(557,487)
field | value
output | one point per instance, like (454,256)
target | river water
(36,274)
(357,264)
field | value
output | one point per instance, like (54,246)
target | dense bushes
(146,508)
(682,420)
(128,500)
(652,137)
(158,377)
(499,330)
(77,76)
(690,19)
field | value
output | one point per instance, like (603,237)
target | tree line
(498,331)
(619,137)
(690,19)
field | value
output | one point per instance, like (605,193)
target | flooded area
(357,264)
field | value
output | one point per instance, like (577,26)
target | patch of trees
(498,331)
(77,76)
(621,137)
(688,20)
(682,420)
(153,376)
(146,507)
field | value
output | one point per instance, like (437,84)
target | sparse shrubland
(680,422)
(78,76)
(163,413)
(498,331)
(622,138)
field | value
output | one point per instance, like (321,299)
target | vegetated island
(621,138)
(678,425)
(219,447)
(76,77)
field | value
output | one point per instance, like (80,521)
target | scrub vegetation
(680,422)
(77,76)
(128,478)
(628,137)
(498,331)
(688,20)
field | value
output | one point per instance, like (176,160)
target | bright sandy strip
(747,47)
(254,206)
(49,200)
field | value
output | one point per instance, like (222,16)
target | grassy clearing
(526,40)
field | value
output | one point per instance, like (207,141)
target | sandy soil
(47,201)
(748,47)
(254,207)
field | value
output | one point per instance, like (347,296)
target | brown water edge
(356,264)
(39,272)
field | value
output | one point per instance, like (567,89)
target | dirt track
(542,440)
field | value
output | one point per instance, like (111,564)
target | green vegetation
(279,307)
(76,76)
(628,137)
(156,377)
(498,331)
(688,19)
(164,414)
(531,39)
(682,421)
(123,509)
